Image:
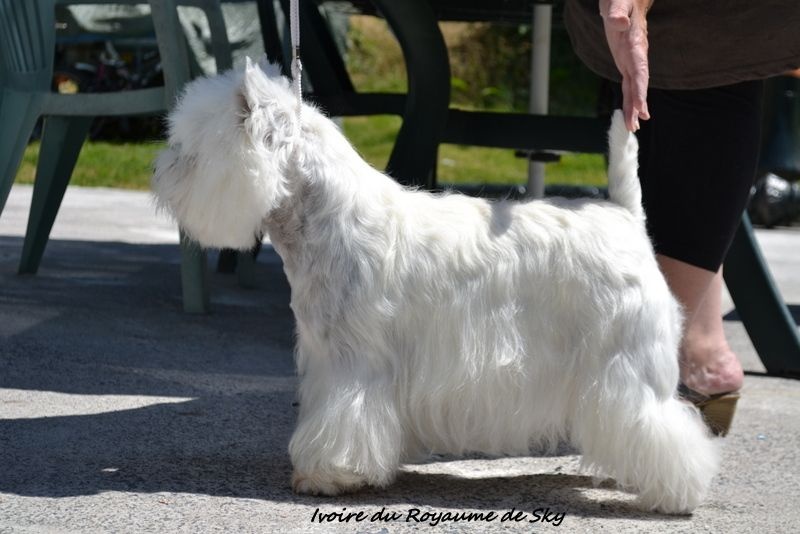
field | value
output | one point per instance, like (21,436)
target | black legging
(697,162)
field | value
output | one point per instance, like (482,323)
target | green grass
(129,165)
(374,136)
(100,164)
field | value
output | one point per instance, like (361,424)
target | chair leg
(246,268)
(18,114)
(759,304)
(242,262)
(226,262)
(62,138)
(194,277)
(413,156)
(220,46)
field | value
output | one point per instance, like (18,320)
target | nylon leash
(297,66)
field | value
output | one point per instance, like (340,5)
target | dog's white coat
(442,323)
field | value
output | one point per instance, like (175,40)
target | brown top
(696,44)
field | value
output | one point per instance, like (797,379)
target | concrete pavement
(120,413)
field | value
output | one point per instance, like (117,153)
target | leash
(297,66)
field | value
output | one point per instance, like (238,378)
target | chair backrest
(27,43)
(27,50)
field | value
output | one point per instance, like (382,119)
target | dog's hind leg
(650,442)
(348,434)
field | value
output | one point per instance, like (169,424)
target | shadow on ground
(215,393)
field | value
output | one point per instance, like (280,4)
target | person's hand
(626,31)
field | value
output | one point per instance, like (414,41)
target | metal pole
(540,85)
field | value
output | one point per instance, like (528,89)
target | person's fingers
(638,86)
(629,111)
(640,96)
(634,102)
(618,22)
(640,70)
(617,14)
(636,83)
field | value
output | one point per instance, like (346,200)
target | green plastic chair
(27,48)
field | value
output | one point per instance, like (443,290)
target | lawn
(102,164)
(373,137)
(129,165)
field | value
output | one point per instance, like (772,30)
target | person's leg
(698,156)
(708,365)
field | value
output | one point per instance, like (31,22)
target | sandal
(717,409)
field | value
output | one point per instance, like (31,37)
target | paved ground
(119,413)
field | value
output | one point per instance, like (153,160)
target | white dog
(442,323)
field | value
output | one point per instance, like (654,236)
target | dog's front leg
(348,433)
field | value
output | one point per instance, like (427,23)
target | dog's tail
(623,165)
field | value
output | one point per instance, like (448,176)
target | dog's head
(229,160)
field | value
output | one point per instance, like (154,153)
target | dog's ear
(268,105)
(253,86)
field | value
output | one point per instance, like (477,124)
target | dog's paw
(325,483)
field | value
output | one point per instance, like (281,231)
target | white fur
(441,322)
